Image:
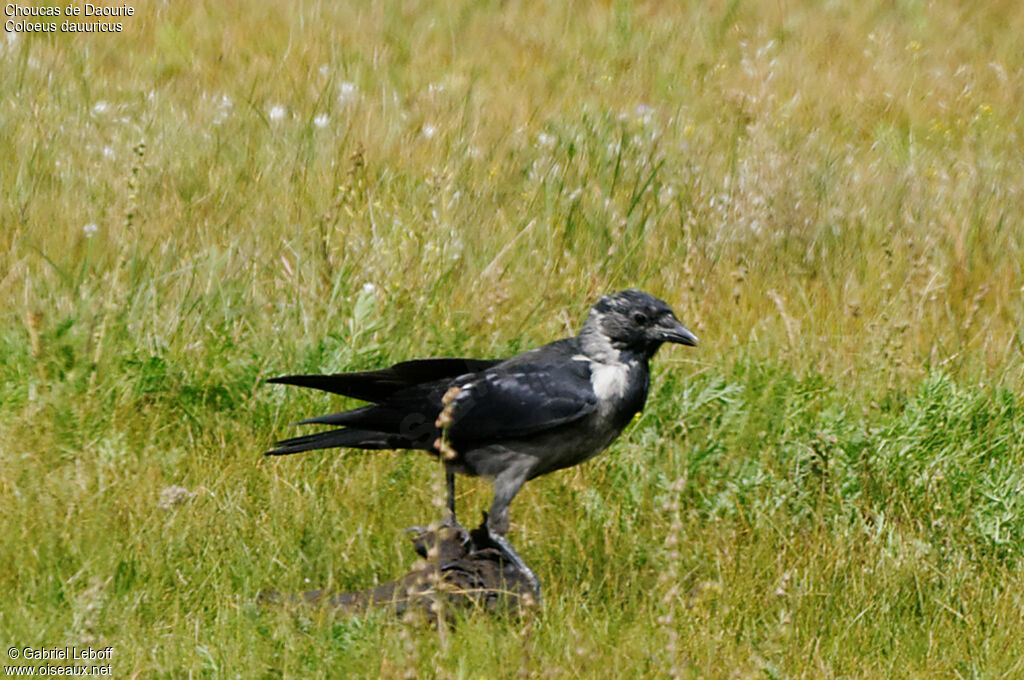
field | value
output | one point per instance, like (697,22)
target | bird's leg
(449,478)
(449,522)
(457,531)
(506,485)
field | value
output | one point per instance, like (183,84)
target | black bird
(508,420)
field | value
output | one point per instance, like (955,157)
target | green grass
(828,194)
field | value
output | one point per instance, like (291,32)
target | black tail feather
(344,438)
(375,386)
(417,421)
(352,417)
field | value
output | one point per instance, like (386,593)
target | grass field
(829,194)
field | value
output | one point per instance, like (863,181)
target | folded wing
(497,405)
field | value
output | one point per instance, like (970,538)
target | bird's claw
(482,537)
(446,537)
(513,557)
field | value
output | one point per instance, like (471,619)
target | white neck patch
(609,381)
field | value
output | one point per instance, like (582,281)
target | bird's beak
(671,330)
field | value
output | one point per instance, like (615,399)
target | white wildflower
(347,92)
(224,106)
(174,495)
(277,112)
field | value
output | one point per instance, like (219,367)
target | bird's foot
(446,540)
(482,537)
(513,557)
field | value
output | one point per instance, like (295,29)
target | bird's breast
(610,382)
(620,388)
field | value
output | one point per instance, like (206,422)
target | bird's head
(634,322)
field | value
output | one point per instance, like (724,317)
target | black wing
(526,398)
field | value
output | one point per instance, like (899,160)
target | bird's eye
(639,318)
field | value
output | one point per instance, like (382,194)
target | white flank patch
(609,380)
